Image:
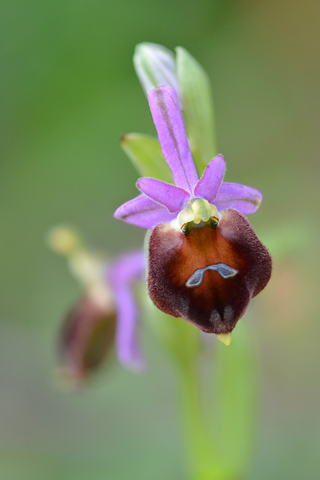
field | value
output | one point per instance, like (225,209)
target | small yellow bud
(63,240)
(225,338)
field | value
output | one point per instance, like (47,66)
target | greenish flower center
(198,213)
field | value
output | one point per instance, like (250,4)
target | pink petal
(168,120)
(143,212)
(127,343)
(209,184)
(122,272)
(127,267)
(170,196)
(233,195)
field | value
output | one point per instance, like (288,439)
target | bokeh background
(68,90)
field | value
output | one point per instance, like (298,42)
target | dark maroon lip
(208,276)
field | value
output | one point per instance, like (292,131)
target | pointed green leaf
(197,108)
(145,153)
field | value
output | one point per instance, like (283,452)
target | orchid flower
(105,314)
(205,262)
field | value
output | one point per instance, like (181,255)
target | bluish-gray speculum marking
(224,271)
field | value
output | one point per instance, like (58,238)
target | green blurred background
(68,90)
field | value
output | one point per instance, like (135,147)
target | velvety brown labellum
(216,303)
(86,337)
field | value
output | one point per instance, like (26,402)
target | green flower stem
(196,437)
(183,342)
(217,395)
(200,442)
(234,397)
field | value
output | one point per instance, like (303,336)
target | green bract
(197,108)
(145,153)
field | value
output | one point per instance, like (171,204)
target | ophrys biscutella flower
(205,262)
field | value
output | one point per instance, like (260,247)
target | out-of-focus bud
(106,313)
(86,339)
(86,266)
(88,332)
(64,240)
(155,66)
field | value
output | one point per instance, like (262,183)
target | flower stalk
(200,452)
